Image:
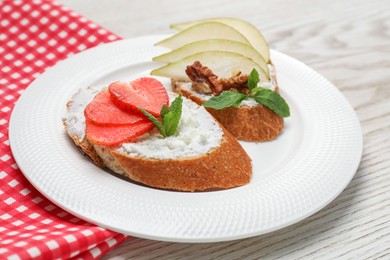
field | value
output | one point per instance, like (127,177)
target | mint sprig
(265,97)
(170,117)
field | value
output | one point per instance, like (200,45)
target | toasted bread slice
(202,156)
(255,122)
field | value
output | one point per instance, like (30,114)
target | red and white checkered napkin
(34,35)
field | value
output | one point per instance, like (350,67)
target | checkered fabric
(34,35)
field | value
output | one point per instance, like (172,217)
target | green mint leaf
(255,90)
(171,119)
(169,126)
(154,121)
(273,101)
(176,106)
(164,110)
(253,79)
(226,99)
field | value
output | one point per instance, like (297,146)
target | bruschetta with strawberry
(159,139)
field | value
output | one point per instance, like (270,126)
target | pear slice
(203,31)
(222,63)
(254,36)
(214,45)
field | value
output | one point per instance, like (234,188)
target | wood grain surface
(346,41)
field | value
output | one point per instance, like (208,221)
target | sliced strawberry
(116,134)
(102,111)
(146,93)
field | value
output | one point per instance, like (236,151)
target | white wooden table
(346,41)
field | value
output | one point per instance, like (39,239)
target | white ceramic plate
(294,176)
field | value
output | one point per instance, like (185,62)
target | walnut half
(202,77)
(205,81)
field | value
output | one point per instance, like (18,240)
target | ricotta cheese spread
(74,117)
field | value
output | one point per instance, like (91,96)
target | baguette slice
(226,165)
(255,123)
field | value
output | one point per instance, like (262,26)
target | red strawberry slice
(116,134)
(146,93)
(102,111)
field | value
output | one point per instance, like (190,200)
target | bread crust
(254,124)
(224,167)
